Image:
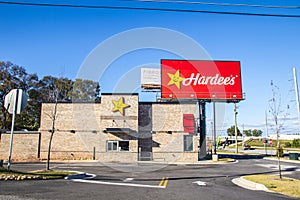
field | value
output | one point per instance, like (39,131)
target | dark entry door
(145,148)
(145,132)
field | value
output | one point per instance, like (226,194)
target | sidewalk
(249,184)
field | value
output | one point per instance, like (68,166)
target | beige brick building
(119,129)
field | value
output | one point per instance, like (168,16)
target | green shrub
(287,145)
(280,151)
(296,143)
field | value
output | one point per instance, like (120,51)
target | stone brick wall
(169,116)
(25,146)
(172,150)
(83,118)
(168,125)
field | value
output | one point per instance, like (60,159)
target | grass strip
(286,186)
(33,175)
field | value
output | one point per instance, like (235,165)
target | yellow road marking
(166,182)
(163,182)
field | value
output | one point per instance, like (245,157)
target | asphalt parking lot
(146,181)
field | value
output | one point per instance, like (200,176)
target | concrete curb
(249,184)
(281,160)
(207,162)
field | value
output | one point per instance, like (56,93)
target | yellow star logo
(119,106)
(175,79)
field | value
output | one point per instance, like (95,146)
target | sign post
(15,101)
(271,143)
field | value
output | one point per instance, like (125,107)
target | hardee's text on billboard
(201,79)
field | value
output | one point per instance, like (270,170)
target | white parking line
(128,179)
(119,184)
(201,183)
(80,175)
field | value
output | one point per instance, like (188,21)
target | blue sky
(55,41)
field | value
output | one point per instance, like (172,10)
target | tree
(53,90)
(15,77)
(85,91)
(278,117)
(231,131)
(248,133)
(53,117)
(257,133)
(295,143)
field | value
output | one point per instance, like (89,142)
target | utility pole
(266,118)
(243,134)
(297,94)
(235,128)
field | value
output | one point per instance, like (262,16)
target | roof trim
(135,94)
(118,130)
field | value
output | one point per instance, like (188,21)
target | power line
(217,4)
(146,9)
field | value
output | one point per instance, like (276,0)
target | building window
(188,143)
(112,145)
(124,145)
(117,145)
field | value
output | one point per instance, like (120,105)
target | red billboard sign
(201,79)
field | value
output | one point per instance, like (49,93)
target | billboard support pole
(202,130)
(214,126)
(235,128)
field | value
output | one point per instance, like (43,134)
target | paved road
(259,151)
(131,181)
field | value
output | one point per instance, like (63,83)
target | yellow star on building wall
(120,106)
(175,79)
